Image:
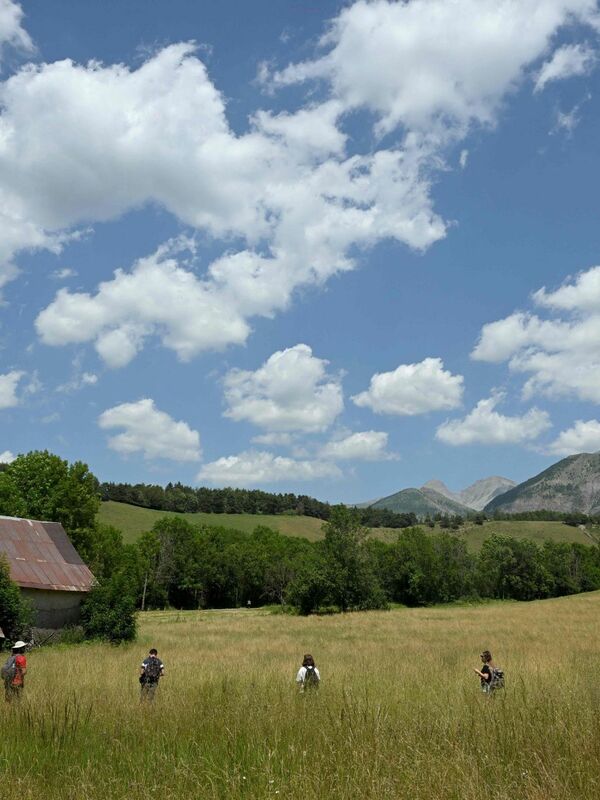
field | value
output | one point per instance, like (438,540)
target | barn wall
(54,609)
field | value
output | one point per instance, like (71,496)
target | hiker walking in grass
(13,673)
(308,676)
(151,671)
(491,676)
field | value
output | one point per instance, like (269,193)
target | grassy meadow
(399,713)
(133,520)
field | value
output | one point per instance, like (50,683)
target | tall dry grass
(399,713)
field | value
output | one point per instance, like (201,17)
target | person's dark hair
(154,651)
(487,656)
(308,661)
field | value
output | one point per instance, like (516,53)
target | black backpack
(152,670)
(311,679)
(497,679)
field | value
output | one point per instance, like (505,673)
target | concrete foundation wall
(54,609)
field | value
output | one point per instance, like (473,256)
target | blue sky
(332,248)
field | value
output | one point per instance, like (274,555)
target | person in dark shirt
(152,670)
(486,672)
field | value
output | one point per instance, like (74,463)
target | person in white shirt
(308,676)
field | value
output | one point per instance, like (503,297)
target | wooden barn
(48,569)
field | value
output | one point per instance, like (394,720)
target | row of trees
(573,518)
(177,497)
(191,566)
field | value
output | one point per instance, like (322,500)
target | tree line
(177,497)
(573,518)
(195,566)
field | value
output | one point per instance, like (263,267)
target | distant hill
(366,504)
(422,502)
(570,485)
(133,520)
(441,488)
(476,496)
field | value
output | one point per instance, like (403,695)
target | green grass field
(536,531)
(399,713)
(133,520)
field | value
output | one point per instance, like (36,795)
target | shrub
(108,612)
(16,615)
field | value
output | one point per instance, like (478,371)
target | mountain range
(434,497)
(476,496)
(572,485)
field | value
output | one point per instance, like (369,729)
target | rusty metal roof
(40,556)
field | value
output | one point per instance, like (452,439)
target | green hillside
(133,521)
(537,531)
(572,485)
(422,502)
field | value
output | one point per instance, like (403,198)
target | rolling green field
(399,713)
(538,532)
(133,520)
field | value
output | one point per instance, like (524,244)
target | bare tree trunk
(144,592)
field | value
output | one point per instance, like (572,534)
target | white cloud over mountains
(484,425)
(582,437)
(150,431)
(291,391)
(361,446)
(256,467)
(413,389)
(561,354)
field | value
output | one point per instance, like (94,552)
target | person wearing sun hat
(14,671)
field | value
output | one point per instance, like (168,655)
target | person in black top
(152,670)
(486,672)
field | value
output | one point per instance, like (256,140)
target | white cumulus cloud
(484,425)
(361,446)
(81,143)
(582,437)
(430,62)
(6,457)
(8,388)
(157,297)
(413,389)
(566,62)
(561,354)
(291,391)
(258,467)
(150,431)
